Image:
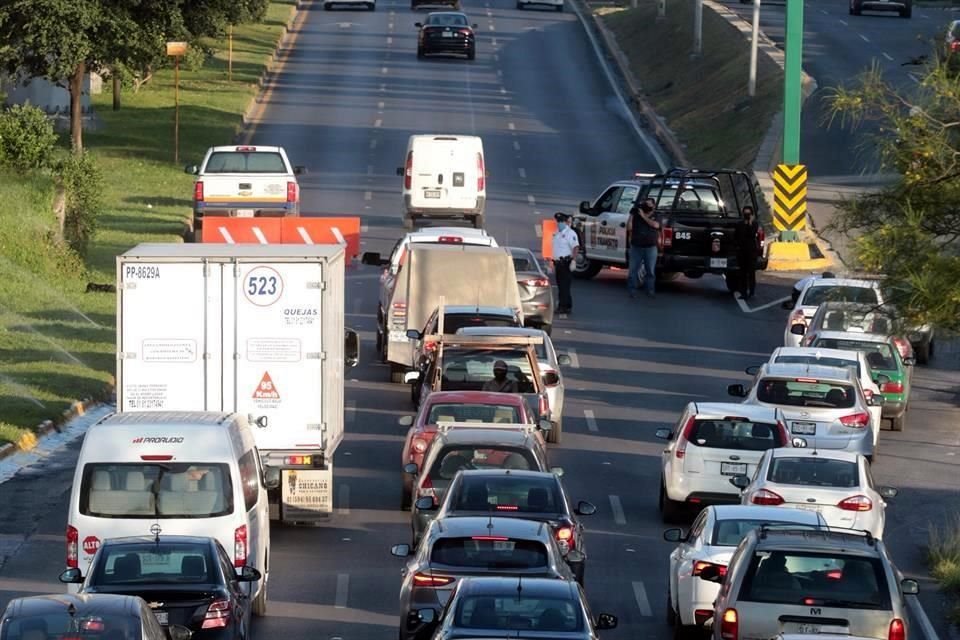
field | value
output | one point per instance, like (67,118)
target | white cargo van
(188,473)
(444,178)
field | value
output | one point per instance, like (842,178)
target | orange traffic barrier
(330,230)
(549,227)
(242,230)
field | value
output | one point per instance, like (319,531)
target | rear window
(522,263)
(816,579)
(454,459)
(879,354)
(510,494)
(446,20)
(817,295)
(814,472)
(515,612)
(150,563)
(806,393)
(733,433)
(62,626)
(245,162)
(489,552)
(473,413)
(859,320)
(470,369)
(169,490)
(729,533)
(825,362)
(453,322)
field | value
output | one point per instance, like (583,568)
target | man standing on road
(643,232)
(748,250)
(565,248)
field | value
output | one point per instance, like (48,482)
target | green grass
(56,341)
(943,555)
(704,101)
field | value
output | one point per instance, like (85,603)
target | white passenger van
(188,473)
(444,178)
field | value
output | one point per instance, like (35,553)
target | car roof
(472,308)
(164,539)
(803,370)
(760,512)
(817,352)
(854,306)
(254,148)
(845,282)
(474,397)
(832,454)
(502,331)
(490,437)
(435,233)
(446,13)
(469,526)
(509,473)
(816,540)
(723,409)
(537,587)
(854,335)
(98,602)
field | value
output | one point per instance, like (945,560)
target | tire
(586,269)
(732,280)
(519,5)
(556,434)
(578,573)
(908,12)
(559,7)
(477,221)
(326,7)
(670,510)
(923,352)
(472,55)
(547,329)
(260,602)
(413,6)
(371,6)
(408,220)
(855,9)
(406,499)
(898,423)
(415,395)
(396,373)
(671,612)
(420,55)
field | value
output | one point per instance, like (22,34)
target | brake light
(836,574)
(246,149)
(198,190)
(681,449)
(507,507)
(93,625)
(565,539)
(481,173)
(761,236)
(292,191)
(784,434)
(667,236)
(419,445)
(73,547)
(426,490)
(430,580)
(700,565)
(857,420)
(240,546)
(156,458)
(408,172)
(897,630)
(544,406)
(797,317)
(767,498)
(856,503)
(892,387)
(465,32)
(217,616)
(536,282)
(810,380)
(450,240)
(729,625)
(491,538)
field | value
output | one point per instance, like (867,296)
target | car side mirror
(557,471)
(271,477)
(606,621)
(876,400)
(411,468)
(299,170)
(909,587)
(798,329)
(788,305)
(888,492)
(474,26)
(425,504)
(413,334)
(585,508)
(551,379)
(400,550)
(799,443)
(737,390)
(418,25)
(405,421)
(545,425)
(740,482)
(400,171)
(564,360)
(178,632)
(711,573)
(674,535)
(427,616)
(663,434)
(752,370)
(191,169)
(411,376)
(909,361)
(351,347)
(372,258)
(585,207)
(249,574)
(71,576)
(575,556)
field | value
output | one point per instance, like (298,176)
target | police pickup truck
(698,211)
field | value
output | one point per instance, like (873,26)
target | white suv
(820,290)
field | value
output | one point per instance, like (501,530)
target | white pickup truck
(244,182)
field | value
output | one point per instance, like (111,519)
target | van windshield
(156,490)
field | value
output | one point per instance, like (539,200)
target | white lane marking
(574,359)
(824,12)
(368,195)
(389,40)
(511,126)
(383,70)
(343,587)
(863,37)
(363,229)
(531,200)
(373,143)
(343,508)
(844,23)
(914,77)
(383,87)
(924,16)
(537,229)
(489,13)
(377,123)
(496,58)
(617,508)
(640,595)
(492,28)
(380,106)
(350,410)
(499,72)
(887,56)
(522,172)
(743,305)
(503,90)
(390,26)
(920,616)
(493,41)
(516,145)
(506,108)
(591,420)
(369,169)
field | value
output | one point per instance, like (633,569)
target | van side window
(250,478)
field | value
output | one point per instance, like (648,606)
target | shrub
(83,185)
(27,138)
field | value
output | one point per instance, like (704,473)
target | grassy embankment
(943,555)
(56,341)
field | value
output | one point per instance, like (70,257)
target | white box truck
(253,329)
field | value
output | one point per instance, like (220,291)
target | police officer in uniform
(565,248)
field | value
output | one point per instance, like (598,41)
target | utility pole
(698,28)
(754,44)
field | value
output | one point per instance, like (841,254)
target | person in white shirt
(566,244)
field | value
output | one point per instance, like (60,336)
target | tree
(910,230)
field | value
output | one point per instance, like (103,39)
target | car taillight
(73,547)
(797,317)
(292,192)
(897,630)
(240,546)
(856,503)
(217,616)
(408,172)
(536,282)
(784,433)
(761,236)
(430,347)
(430,580)
(700,565)
(857,420)
(955,45)
(681,449)
(426,490)
(667,236)
(198,190)
(419,445)
(464,32)
(767,498)
(481,174)
(565,539)
(729,625)
(544,406)
(892,387)
(451,240)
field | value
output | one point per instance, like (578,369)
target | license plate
(733,468)
(448,34)
(245,213)
(809,507)
(804,428)
(162,617)
(718,263)
(431,194)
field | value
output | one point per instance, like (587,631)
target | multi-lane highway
(344,104)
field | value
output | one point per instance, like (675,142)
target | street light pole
(754,43)
(176,50)
(698,28)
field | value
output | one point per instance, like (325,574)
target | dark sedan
(187,581)
(536,292)
(446,32)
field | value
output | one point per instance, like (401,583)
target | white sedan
(836,484)
(712,540)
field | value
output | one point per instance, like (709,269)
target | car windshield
(523,263)
(489,552)
(512,611)
(447,20)
(825,362)
(879,354)
(816,579)
(736,433)
(156,490)
(473,413)
(471,369)
(814,472)
(818,294)
(90,624)
(803,392)
(151,563)
(457,458)
(729,533)
(867,320)
(245,162)
(510,494)
(454,321)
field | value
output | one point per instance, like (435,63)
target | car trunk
(182,605)
(819,425)
(427,595)
(445,174)
(766,620)
(709,236)
(801,497)
(722,463)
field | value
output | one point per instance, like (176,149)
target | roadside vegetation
(703,100)
(56,339)
(943,554)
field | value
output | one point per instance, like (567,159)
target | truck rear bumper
(231,210)
(443,212)
(704,264)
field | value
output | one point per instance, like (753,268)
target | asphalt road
(352,92)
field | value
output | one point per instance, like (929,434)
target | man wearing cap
(565,248)
(500,383)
